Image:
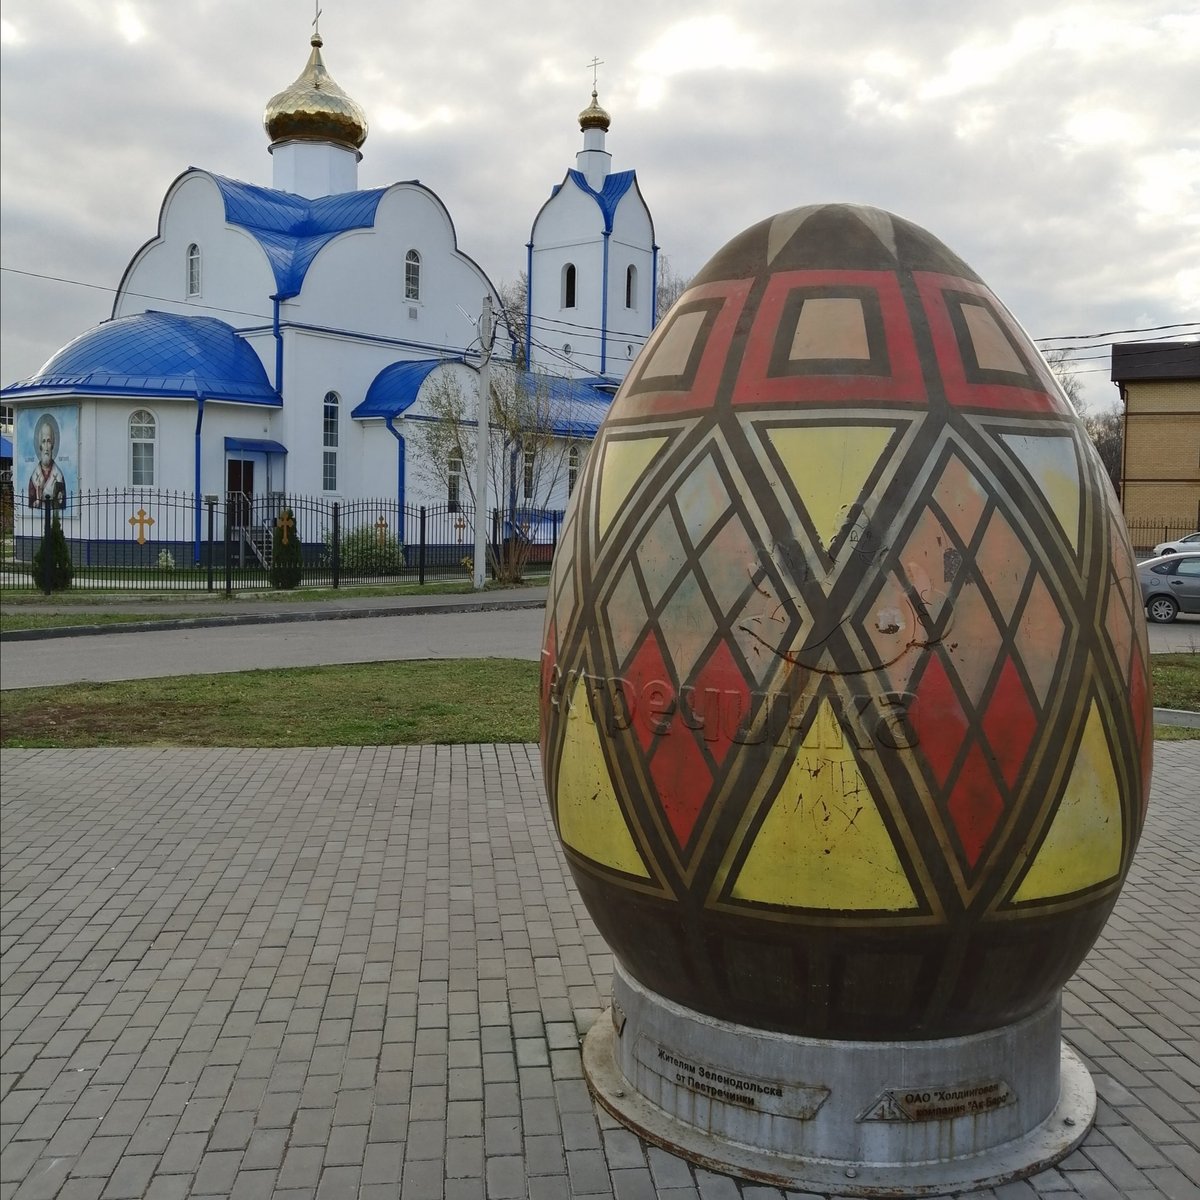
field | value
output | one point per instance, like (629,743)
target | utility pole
(482,440)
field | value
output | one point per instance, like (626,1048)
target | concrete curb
(1177,717)
(281,618)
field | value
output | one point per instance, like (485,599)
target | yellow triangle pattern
(590,819)
(1083,845)
(828,466)
(1051,462)
(625,459)
(824,844)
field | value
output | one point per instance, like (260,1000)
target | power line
(555,325)
(1080,337)
(99,287)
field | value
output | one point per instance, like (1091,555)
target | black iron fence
(1147,532)
(160,540)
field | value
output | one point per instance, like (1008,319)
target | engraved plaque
(799,1101)
(939,1103)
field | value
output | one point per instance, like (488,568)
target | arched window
(329,440)
(454,481)
(568,286)
(572,469)
(631,286)
(412,276)
(193,270)
(142,434)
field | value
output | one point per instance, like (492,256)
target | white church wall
(235,276)
(357,281)
(313,168)
(569,229)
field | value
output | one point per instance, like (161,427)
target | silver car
(1179,545)
(1170,585)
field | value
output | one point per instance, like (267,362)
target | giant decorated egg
(846,726)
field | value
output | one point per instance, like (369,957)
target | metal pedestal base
(857,1118)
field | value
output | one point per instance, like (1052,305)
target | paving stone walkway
(364,972)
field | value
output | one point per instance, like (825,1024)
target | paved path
(364,972)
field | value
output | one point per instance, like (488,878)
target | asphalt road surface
(498,634)
(146,655)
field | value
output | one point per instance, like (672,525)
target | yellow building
(1160,464)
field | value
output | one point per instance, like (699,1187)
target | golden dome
(594,117)
(315,108)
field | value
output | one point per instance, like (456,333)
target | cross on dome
(594,117)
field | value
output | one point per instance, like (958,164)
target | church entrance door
(240,485)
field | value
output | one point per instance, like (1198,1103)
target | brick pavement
(363,972)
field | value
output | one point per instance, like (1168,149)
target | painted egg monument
(846,722)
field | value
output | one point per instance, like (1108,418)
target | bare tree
(1059,363)
(1107,431)
(512,320)
(671,285)
(526,457)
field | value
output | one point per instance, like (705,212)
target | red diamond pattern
(938,719)
(1010,723)
(975,804)
(651,690)
(720,680)
(682,778)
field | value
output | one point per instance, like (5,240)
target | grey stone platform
(364,973)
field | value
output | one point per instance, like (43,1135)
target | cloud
(1047,143)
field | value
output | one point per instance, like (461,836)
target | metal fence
(150,539)
(1146,533)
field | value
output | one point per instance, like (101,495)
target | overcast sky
(1054,146)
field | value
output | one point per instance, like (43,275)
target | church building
(297,331)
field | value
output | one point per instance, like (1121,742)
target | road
(146,655)
(497,634)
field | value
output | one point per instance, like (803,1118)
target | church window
(530,465)
(412,276)
(454,481)
(572,469)
(329,439)
(142,434)
(631,286)
(568,286)
(193,270)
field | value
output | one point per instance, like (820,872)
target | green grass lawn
(1176,681)
(366,704)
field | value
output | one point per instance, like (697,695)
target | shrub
(366,550)
(166,560)
(287,559)
(62,570)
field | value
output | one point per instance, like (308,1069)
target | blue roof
(576,406)
(155,354)
(292,229)
(395,387)
(259,445)
(609,196)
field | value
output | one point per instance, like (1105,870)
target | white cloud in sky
(1051,144)
(129,24)
(694,45)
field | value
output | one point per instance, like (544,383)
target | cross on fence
(381,528)
(285,523)
(142,522)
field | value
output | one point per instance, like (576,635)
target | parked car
(1178,546)
(1170,585)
